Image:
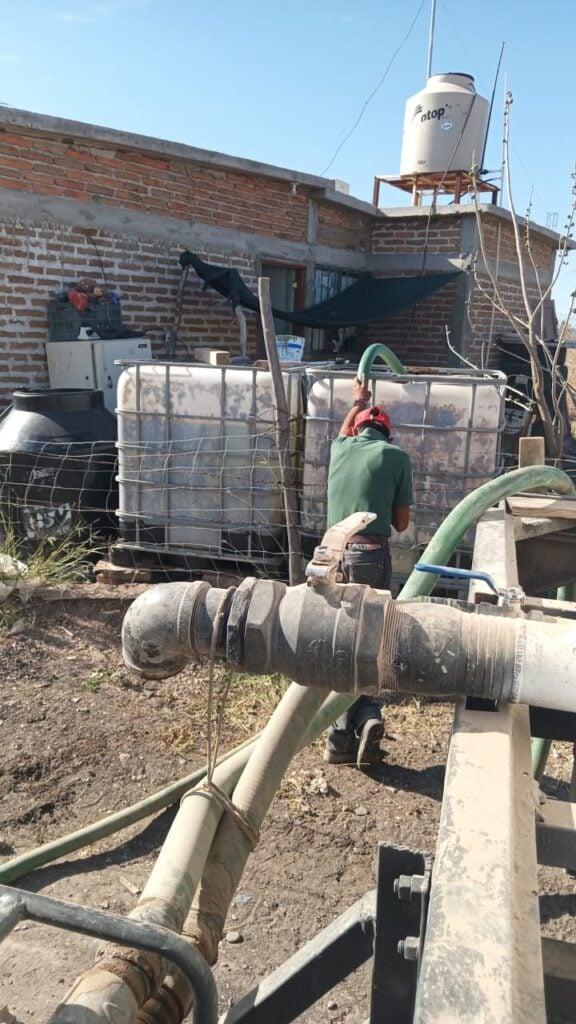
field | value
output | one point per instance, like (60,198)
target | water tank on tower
(445,127)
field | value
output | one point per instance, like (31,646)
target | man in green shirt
(367,473)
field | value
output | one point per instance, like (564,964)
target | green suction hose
(21,865)
(385,353)
(466,512)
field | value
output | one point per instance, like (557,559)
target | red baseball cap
(373,415)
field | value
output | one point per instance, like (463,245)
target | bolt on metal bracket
(409,948)
(407,886)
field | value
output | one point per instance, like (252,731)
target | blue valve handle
(463,574)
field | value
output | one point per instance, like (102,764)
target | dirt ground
(81,739)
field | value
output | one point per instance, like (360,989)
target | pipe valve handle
(453,572)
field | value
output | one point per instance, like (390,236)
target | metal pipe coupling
(350,638)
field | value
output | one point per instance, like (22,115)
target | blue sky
(283,82)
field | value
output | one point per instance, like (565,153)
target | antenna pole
(431,38)
(492,107)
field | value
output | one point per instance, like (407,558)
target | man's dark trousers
(373,567)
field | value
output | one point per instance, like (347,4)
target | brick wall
(412,234)
(486,321)
(418,335)
(343,229)
(38,261)
(500,243)
(117,176)
(42,253)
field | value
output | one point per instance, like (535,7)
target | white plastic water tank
(445,127)
(197,460)
(450,425)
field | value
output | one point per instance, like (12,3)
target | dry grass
(250,701)
(66,559)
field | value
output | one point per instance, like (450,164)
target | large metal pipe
(356,640)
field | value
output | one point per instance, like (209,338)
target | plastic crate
(65,321)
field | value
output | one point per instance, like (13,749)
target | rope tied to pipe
(209,786)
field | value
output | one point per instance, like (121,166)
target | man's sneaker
(339,757)
(369,752)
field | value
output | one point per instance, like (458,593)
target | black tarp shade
(366,301)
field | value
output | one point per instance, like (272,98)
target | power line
(376,88)
(465,49)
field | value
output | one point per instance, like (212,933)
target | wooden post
(282,426)
(532,452)
(376,192)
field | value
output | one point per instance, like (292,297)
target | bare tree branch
(529,328)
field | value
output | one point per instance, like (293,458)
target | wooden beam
(282,425)
(529,507)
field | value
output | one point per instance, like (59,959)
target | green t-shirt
(367,474)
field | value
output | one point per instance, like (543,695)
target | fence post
(282,427)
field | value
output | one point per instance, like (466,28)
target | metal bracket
(18,905)
(404,878)
(324,565)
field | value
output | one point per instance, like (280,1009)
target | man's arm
(400,518)
(360,398)
(403,498)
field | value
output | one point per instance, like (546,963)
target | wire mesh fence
(193,486)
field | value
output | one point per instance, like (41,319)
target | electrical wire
(376,88)
(100,263)
(465,49)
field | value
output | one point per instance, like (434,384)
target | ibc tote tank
(445,127)
(449,424)
(197,461)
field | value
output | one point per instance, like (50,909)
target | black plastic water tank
(57,464)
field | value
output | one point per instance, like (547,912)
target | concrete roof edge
(58,126)
(329,195)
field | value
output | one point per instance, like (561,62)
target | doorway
(287,291)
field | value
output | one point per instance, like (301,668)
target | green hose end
(385,353)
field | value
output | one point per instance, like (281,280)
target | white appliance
(91,364)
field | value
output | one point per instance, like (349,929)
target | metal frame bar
(297,984)
(482,957)
(556,833)
(560,979)
(482,960)
(17,905)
